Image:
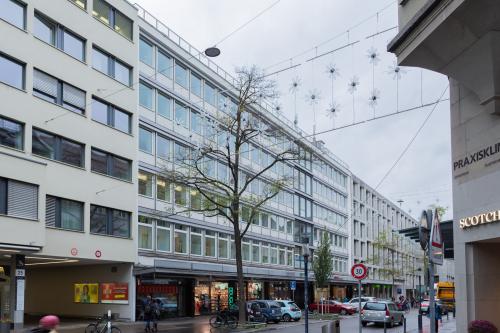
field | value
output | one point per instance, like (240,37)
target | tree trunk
(240,277)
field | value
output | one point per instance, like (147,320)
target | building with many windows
(68,155)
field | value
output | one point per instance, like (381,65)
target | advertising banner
(86,293)
(116,293)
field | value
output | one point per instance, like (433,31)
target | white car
(355,301)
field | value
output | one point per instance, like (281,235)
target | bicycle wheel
(91,328)
(115,329)
(232,322)
(215,321)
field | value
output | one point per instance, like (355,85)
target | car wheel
(402,320)
(364,323)
(343,312)
(287,317)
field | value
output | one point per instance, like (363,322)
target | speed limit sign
(359,271)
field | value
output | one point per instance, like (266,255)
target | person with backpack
(148,313)
(155,314)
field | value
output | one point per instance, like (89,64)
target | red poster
(114,293)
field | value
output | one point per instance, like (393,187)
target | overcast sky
(423,175)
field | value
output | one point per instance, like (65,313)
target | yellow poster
(86,293)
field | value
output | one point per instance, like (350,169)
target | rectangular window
(180,195)
(195,85)
(163,148)
(181,115)
(195,199)
(196,241)
(164,106)
(111,165)
(162,189)
(109,65)
(196,125)
(58,36)
(57,148)
(18,199)
(164,64)
(255,252)
(209,243)
(11,133)
(181,75)
(146,52)
(210,94)
(111,115)
(163,236)
(145,233)
(180,239)
(13,12)
(181,153)
(110,222)
(59,92)
(265,253)
(63,213)
(146,96)
(145,184)
(113,18)
(145,140)
(11,72)
(222,248)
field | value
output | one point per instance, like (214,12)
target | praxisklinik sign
(473,221)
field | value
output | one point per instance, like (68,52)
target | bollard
(447,315)
(385,327)
(324,329)
(404,324)
(335,326)
(453,312)
(420,323)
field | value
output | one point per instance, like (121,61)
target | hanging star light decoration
(333,110)
(396,71)
(353,84)
(313,97)
(295,85)
(332,71)
(373,55)
(278,108)
(374,97)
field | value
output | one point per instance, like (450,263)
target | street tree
(323,262)
(212,170)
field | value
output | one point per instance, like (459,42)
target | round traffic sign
(359,271)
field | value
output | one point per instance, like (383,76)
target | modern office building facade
(460,38)
(395,264)
(67,154)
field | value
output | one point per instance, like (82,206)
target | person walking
(48,324)
(155,314)
(148,312)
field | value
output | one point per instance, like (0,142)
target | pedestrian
(47,324)
(155,314)
(148,312)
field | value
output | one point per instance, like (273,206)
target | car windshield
(281,304)
(274,305)
(375,306)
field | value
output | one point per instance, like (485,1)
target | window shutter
(73,96)
(44,83)
(50,211)
(22,200)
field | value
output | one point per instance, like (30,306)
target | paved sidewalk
(446,326)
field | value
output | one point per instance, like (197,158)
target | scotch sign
(476,220)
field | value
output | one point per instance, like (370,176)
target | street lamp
(212,52)
(305,253)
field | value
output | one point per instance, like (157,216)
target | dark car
(271,310)
(254,312)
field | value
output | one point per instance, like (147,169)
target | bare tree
(231,197)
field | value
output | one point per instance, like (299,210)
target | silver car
(381,312)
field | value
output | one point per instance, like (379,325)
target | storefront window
(180,239)
(210,243)
(219,293)
(167,295)
(202,299)
(254,290)
(278,290)
(196,241)
(163,236)
(223,246)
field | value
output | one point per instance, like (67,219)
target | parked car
(289,311)
(254,312)
(271,310)
(380,312)
(168,308)
(333,307)
(355,301)
(424,307)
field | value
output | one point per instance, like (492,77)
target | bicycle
(223,319)
(101,326)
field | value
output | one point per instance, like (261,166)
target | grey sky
(423,176)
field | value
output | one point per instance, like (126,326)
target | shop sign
(116,293)
(230,295)
(472,221)
(86,293)
(157,289)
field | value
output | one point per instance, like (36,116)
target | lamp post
(305,253)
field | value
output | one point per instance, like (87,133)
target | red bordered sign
(359,271)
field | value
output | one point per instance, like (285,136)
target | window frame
(59,211)
(109,221)
(22,125)
(111,115)
(23,67)
(110,164)
(24,8)
(111,68)
(112,13)
(58,139)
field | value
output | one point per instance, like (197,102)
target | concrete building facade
(459,38)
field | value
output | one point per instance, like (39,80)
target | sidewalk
(447,326)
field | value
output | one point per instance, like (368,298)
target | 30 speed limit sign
(359,271)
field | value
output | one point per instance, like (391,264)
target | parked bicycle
(222,318)
(101,326)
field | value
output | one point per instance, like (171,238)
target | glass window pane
(196,244)
(99,161)
(43,144)
(209,246)
(195,199)
(181,115)
(123,25)
(222,248)
(162,189)
(163,147)
(196,123)
(163,239)
(146,52)
(255,253)
(121,168)
(13,12)
(180,241)
(73,98)
(245,251)
(165,106)
(145,184)
(180,195)
(195,85)
(145,237)
(71,215)
(74,46)
(181,75)
(122,73)
(210,94)
(120,223)
(100,111)
(11,133)
(98,220)
(100,61)
(101,10)
(71,153)
(122,121)
(11,72)
(145,140)
(145,96)
(164,64)
(44,29)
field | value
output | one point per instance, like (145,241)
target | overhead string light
(374,58)
(354,82)
(396,72)
(313,96)
(294,88)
